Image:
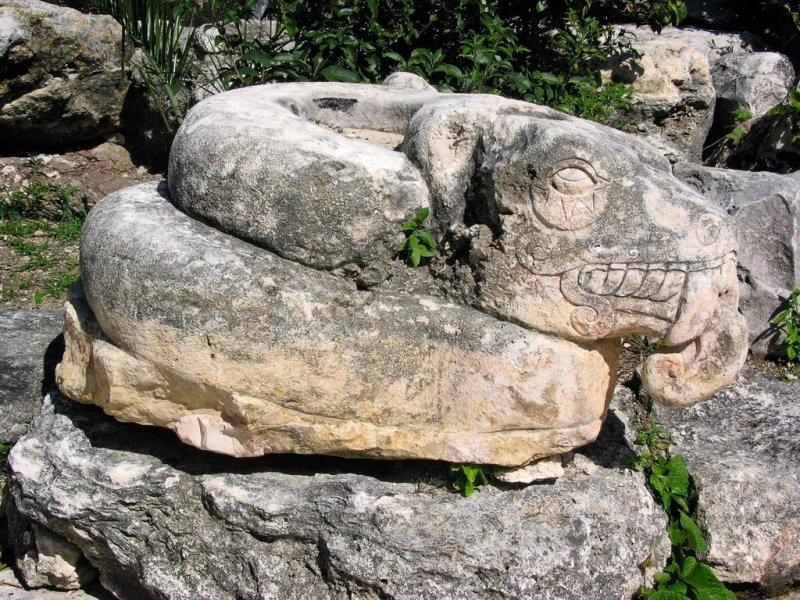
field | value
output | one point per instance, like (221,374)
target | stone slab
(743,450)
(158,519)
(30,347)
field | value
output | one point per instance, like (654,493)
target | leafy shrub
(543,52)
(788,320)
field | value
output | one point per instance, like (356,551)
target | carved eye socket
(572,181)
(570,199)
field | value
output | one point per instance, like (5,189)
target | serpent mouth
(692,305)
(657,298)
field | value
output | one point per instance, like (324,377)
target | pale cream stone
(542,470)
(552,248)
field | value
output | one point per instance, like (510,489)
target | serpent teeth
(658,282)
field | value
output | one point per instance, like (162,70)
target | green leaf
(422,214)
(676,586)
(741,115)
(395,57)
(448,69)
(426,239)
(339,73)
(662,578)
(794,98)
(676,534)
(695,538)
(706,585)
(666,497)
(678,478)
(666,595)
(259,57)
(689,565)
(415,257)
(681,502)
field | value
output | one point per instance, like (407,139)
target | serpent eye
(572,181)
(570,199)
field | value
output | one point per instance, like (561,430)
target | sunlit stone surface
(256,305)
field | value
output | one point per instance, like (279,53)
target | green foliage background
(544,51)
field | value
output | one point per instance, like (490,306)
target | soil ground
(38,237)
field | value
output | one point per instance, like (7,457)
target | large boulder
(61,79)
(278,319)
(752,82)
(742,450)
(30,349)
(765,208)
(671,76)
(160,520)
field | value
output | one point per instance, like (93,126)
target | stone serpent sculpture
(257,305)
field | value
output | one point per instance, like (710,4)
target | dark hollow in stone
(337,104)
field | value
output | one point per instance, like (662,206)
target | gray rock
(765,208)
(673,98)
(61,80)
(742,450)
(711,43)
(160,520)
(29,351)
(752,82)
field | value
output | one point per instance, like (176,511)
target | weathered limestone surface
(673,94)
(742,450)
(712,43)
(26,366)
(160,520)
(290,328)
(61,80)
(753,82)
(278,358)
(764,208)
(675,83)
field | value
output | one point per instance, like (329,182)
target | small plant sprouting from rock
(4,450)
(653,436)
(468,477)
(788,320)
(685,577)
(419,244)
(737,135)
(645,346)
(790,108)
